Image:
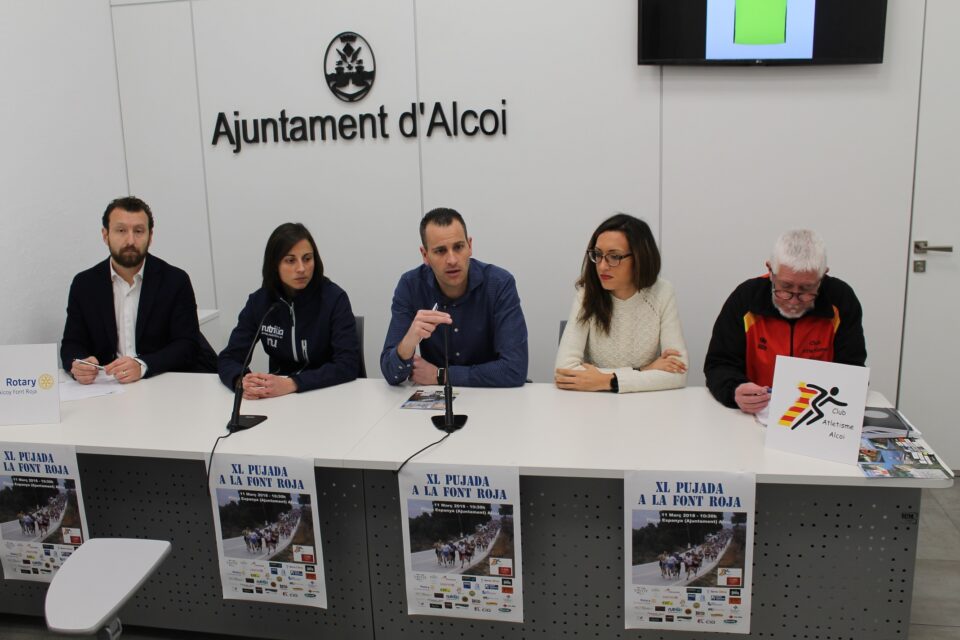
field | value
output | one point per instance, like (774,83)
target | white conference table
(540,429)
(180,415)
(548,432)
(142,478)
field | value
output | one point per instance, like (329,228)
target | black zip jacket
(749,334)
(312,338)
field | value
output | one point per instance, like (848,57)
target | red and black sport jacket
(750,333)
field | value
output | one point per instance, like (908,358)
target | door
(931,341)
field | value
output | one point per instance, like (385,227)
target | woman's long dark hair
(597,301)
(278,245)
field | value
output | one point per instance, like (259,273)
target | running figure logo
(808,407)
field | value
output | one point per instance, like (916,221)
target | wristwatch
(614,384)
(441,380)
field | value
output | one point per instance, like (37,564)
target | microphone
(237,421)
(448,421)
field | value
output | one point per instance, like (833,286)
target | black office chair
(563,325)
(363,366)
(206,361)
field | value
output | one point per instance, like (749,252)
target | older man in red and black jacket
(795,309)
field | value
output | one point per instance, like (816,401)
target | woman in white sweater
(624,331)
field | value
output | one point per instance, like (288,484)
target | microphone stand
(448,421)
(241,422)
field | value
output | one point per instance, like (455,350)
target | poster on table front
(268,531)
(688,550)
(461,540)
(42,520)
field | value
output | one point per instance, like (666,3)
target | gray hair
(801,250)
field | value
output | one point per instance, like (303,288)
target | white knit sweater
(641,328)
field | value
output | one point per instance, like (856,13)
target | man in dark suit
(133,315)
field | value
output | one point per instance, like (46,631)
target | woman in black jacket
(307,329)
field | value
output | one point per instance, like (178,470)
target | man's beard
(128,257)
(789,315)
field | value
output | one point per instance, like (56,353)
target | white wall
(360,198)
(751,152)
(582,141)
(161,125)
(61,160)
(718,160)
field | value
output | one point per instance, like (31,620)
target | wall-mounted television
(739,32)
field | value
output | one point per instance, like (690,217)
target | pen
(433,308)
(89,364)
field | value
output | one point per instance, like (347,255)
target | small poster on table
(688,540)
(42,520)
(427,399)
(461,537)
(900,458)
(268,531)
(816,408)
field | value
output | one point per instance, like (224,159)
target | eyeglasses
(802,296)
(613,259)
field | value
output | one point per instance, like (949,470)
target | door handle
(922,246)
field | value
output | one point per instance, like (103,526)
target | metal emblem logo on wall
(349,66)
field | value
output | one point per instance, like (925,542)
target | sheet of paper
(763,416)
(103,385)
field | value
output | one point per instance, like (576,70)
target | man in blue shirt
(486,331)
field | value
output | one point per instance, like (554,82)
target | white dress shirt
(126,303)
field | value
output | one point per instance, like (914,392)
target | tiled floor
(936,591)
(936,587)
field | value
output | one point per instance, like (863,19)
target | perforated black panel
(830,563)
(834,563)
(167,500)
(25,598)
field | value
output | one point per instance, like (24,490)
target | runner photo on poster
(684,547)
(689,538)
(268,534)
(461,533)
(42,520)
(459,537)
(264,525)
